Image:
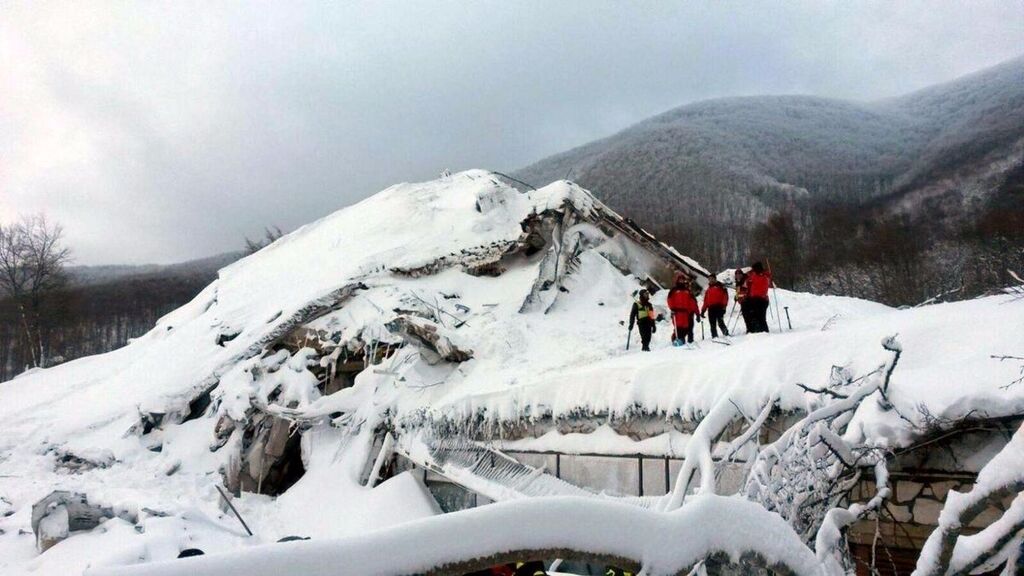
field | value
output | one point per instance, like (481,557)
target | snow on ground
(525,365)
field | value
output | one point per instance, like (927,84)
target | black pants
(758,321)
(716,319)
(685,334)
(646,329)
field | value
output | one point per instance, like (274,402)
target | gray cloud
(160,132)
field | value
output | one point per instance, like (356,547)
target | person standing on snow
(643,316)
(758,282)
(716,302)
(683,306)
(741,297)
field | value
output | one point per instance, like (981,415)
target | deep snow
(525,365)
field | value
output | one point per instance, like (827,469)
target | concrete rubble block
(430,335)
(277,439)
(60,513)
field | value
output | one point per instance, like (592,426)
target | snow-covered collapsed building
(446,344)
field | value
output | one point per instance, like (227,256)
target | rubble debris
(59,514)
(222,432)
(467,258)
(491,269)
(270,457)
(224,338)
(79,461)
(430,335)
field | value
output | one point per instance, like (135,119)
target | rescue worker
(683,306)
(643,316)
(716,302)
(758,282)
(741,297)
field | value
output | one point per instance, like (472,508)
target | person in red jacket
(758,282)
(683,306)
(716,301)
(740,281)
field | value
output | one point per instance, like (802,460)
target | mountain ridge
(839,190)
(734,161)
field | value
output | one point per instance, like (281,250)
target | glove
(654,329)
(630,326)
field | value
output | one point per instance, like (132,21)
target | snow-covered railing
(483,470)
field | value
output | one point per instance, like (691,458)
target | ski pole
(701,330)
(778,317)
(629,334)
(775,296)
(788,321)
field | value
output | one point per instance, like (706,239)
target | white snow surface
(525,366)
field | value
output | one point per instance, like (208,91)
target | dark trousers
(716,319)
(685,334)
(758,321)
(645,335)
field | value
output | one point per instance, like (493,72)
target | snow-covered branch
(563,527)
(1001,477)
(830,536)
(807,471)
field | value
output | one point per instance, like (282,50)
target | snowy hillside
(458,305)
(722,166)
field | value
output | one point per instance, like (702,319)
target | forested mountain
(104,306)
(86,275)
(710,176)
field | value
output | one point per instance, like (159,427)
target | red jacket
(682,304)
(758,284)
(715,297)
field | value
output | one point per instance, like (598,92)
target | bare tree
(270,234)
(32,259)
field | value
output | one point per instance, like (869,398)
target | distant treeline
(851,251)
(95,318)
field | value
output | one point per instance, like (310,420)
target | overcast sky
(158,132)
